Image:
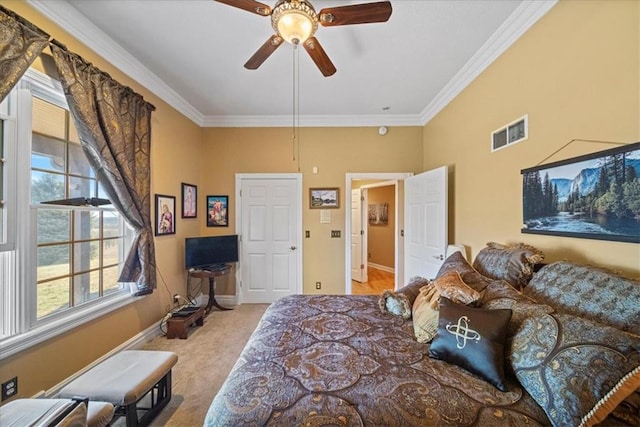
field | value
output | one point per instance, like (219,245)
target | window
(67,258)
(510,134)
(79,250)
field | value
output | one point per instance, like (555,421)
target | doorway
(373,180)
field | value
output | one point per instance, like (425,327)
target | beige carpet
(204,361)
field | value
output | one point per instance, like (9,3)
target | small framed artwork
(379,214)
(189,201)
(324,198)
(217,211)
(165,215)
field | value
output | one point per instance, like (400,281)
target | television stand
(211,273)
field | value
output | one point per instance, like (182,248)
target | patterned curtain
(20,44)
(114,125)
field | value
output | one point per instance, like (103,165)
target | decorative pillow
(513,263)
(590,292)
(474,339)
(425,313)
(500,294)
(401,301)
(426,306)
(453,287)
(577,370)
(457,262)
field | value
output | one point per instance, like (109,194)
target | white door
(271,254)
(425,224)
(358,272)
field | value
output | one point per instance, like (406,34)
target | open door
(358,270)
(425,224)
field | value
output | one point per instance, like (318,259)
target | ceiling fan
(296,21)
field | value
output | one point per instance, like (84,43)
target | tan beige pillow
(425,308)
(425,313)
(453,287)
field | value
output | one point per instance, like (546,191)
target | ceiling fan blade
(249,5)
(264,52)
(319,56)
(356,14)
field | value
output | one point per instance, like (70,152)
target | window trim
(8,116)
(21,328)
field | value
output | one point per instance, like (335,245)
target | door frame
(238,218)
(381,176)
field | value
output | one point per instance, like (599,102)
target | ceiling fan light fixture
(294,20)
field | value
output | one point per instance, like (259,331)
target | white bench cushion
(41,412)
(123,378)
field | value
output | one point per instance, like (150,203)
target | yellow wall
(381,237)
(577,74)
(335,151)
(175,150)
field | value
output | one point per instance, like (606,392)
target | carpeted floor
(204,361)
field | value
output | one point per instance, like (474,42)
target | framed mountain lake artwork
(595,196)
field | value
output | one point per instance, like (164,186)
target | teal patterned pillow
(577,370)
(590,292)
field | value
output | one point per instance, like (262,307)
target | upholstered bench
(124,380)
(36,412)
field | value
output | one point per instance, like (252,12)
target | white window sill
(15,344)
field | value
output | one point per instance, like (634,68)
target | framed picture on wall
(595,196)
(217,211)
(189,201)
(379,214)
(324,198)
(165,215)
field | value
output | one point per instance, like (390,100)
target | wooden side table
(177,326)
(211,275)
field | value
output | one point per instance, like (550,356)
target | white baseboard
(223,300)
(381,267)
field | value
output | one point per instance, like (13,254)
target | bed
(345,360)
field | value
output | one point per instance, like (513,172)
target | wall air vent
(510,134)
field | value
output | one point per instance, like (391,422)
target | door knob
(293,248)
(440,257)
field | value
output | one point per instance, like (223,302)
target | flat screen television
(210,252)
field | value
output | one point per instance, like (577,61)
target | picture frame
(189,201)
(165,215)
(324,198)
(217,211)
(594,196)
(378,214)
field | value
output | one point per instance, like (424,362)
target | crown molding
(519,22)
(312,121)
(76,24)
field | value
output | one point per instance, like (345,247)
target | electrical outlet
(318,285)
(10,388)
(176,298)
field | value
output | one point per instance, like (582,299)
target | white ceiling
(191,53)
